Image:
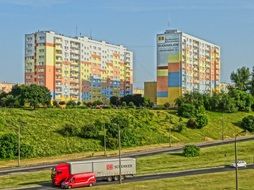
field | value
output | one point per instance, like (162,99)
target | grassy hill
(40,128)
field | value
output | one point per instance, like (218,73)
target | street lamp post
(222,126)
(119,149)
(19,146)
(105,147)
(236,165)
(169,131)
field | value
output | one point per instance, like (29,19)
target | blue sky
(133,23)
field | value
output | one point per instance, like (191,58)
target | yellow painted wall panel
(173,93)
(162,72)
(50,56)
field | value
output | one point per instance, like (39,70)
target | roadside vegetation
(47,131)
(56,132)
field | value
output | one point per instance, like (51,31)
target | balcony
(58,40)
(58,47)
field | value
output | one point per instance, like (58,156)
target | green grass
(24,179)
(40,128)
(224,181)
(209,157)
(217,181)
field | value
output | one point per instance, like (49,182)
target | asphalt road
(48,186)
(148,152)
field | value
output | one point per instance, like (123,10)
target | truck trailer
(106,169)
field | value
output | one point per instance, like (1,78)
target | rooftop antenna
(76,30)
(90,33)
(168,23)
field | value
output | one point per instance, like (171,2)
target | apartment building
(77,68)
(185,64)
(150,91)
(6,87)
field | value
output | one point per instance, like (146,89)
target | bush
(26,151)
(178,128)
(71,104)
(89,131)
(69,130)
(191,151)
(62,103)
(167,105)
(112,143)
(248,123)
(55,103)
(8,146)
(192,123)
(186,110)
(201,121)
(132,105)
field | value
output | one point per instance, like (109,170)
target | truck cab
(60,173)
(79,180)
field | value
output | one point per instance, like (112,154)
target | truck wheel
(115,178)
(90,185)
(109,179)
(69,187)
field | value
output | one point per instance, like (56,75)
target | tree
(38,95)
(201,120)
(241,78)
(248,123)
(186,110)
(191,151)
(114,100)
(90,130)
(71,104)
(252,82)
(32,94)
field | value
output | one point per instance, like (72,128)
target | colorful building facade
(77,68)
(150,91)
(185,64)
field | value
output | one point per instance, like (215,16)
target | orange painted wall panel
(162,83)
(50,77)
(173,67)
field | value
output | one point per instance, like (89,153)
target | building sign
(167,49)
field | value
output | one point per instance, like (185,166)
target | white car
(240,163)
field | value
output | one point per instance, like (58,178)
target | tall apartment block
(77,68)
(185,64)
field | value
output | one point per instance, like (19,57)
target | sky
(132,23)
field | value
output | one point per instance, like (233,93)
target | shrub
(26,151)
(191,151)
(71,104)
(62,103)
(69,130)
(178,128)
(248,123)
(201,121)
(186,110)
(132,105)
(167,105)
(55,103)
(89,131)
(8,146)
(191,123)
(112,143)
(124,104)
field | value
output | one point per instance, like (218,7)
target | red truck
(65,174)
